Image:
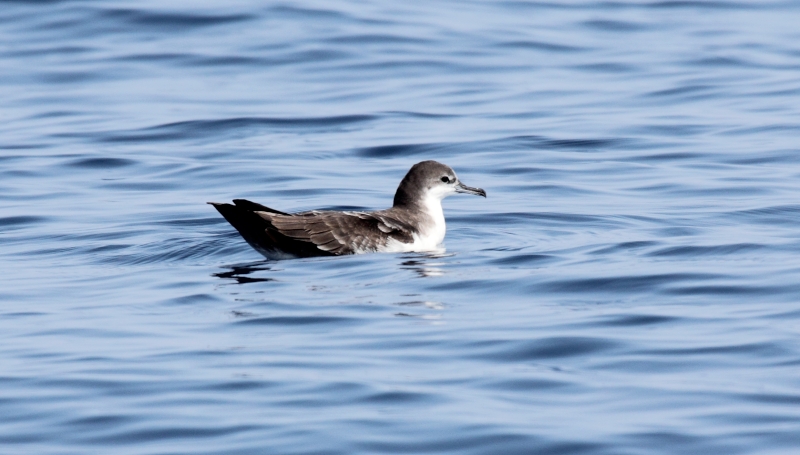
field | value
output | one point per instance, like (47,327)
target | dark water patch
(721,62)
(540,46)
(106,248)
(682,442)
(100,421)
(664,157)
(559,190)
(391,151)
(636,320)
(584,144)
(733,290)
(298,321)
(238,60)
(501,144)
(167,21)
(614,25)
(20,221)
(524,259)
(203,128)
(71,77)
(677,231)
(123,185)
(625,247)
(777,214)
(773,127)
(711,5)
(101,163)
(686,91)
(543,218)
(622,285)
(399,398)
(773,398)
(308,13)
(152,435)
(519,170)
(422,115)
(674,130)
(243,385)
(302,192)
(607,67)
(415,68)
(526,385)
(53,50)
(155,57)
(309,57)
(761,351)
(549,348)
(467,443)
(484,286)
(20,314)
(194,299)
(192,222)
(378,38)
(34,2)
(782,157)
(700,250)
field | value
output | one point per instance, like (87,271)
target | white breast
(431,233)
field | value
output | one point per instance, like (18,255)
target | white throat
(432,232)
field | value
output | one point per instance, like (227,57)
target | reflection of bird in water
(415,223)
(423,267)
(237,272)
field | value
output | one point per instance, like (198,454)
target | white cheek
(441,191)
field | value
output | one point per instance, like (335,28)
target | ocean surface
(631,285)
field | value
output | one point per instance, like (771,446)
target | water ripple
(629,286)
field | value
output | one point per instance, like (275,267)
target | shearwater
(414,223)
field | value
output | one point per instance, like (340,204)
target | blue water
(630,286)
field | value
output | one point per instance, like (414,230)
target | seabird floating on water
(414,223)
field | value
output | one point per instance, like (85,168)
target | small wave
(101,163)
(540,46)
(297,320)
(20,220)
(701,250)
(542,349)
(524,259)
(637,320)
(614,25)
(623,285)
(203,128)
(788,214)
(168,21)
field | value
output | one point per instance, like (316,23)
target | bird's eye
(445,179)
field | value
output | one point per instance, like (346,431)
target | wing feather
(342,232)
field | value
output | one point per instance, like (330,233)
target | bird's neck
(432,223)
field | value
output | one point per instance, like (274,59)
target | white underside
(430,236)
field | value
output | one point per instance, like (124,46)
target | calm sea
(631,286)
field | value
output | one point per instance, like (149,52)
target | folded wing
(317,233)
(342,232)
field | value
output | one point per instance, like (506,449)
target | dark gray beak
(461,188)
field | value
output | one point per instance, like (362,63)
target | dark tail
(252,227)
(260,233)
